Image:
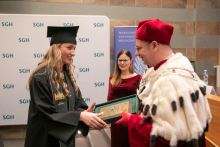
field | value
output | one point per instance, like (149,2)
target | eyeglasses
(123,60)
(139,48)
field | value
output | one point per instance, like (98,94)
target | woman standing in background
(122,83)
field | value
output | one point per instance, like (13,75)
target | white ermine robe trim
(189,119)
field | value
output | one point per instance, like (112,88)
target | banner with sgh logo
(23,45)
(124,38)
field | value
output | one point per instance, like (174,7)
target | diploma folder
(113,109)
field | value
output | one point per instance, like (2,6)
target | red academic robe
(139,133)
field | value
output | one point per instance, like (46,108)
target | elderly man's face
(144,52)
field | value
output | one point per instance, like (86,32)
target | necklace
(145,80)
(168,57)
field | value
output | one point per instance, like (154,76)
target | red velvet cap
(154,30)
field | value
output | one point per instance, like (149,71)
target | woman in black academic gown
(57,110)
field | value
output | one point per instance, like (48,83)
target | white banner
(24,43)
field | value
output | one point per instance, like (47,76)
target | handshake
(92,119)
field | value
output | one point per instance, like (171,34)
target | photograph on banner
(124,38)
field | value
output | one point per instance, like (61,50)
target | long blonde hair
(116,79)
(52,59)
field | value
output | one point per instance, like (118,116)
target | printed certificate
(112,110)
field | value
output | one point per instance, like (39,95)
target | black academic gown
(46,127)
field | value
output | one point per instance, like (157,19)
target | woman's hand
(92,119)
(91,108)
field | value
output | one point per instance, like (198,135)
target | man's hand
(125,119)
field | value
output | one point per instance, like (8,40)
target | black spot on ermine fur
(181,101)
(195,143)
(146,109)
(207,127)
(200,140)
(141,107)
(147,120)
(152,140)
(173,105)
(197,95)
(154,109)
(142,89)
(189,144)
(203,90)
(193,97)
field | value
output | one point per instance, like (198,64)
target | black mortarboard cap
(62,34)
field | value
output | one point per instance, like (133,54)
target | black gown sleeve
(81,106)
(61,126)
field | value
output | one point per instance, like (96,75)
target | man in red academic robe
(175,110)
